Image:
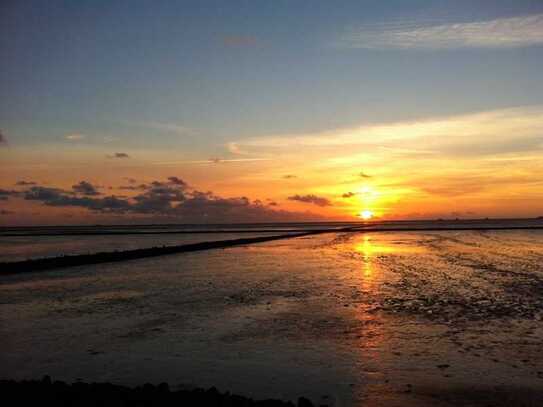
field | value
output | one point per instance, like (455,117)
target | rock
(303,402)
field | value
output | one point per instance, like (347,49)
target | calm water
(21,243)
(373,319)
(16,248)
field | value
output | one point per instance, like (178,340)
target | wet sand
(379,319)
(33,265)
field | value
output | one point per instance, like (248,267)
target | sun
(366,214)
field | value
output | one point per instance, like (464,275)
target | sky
(264,111)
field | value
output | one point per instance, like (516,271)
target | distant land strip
(49,263)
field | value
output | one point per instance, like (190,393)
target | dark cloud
(159,198)
(25,183)
(2,138)
(45,194)
(348,195)
(176,181)
(5,212)
(273,203)
(5,194)
(317,200)
(364,175)
(59,197)
(172,200)
(140,187)
(289,176)
(118,155)
(85,188)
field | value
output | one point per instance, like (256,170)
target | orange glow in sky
(366,214)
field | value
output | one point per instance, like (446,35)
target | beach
(420,318)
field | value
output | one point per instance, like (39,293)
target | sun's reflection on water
(366,249)
(369,250)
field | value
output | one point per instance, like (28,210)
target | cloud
(348,195)
(85,188)
(289,176)
(140,187)
(5,194)
(74,137)
(159,199)
(213,160)
(25,183)
(3,139)
(6,212)
(169,127)
(177,181)
(45,194)
(364,175)
(313,199)
(119,155)
(172,199)
(511,32)
(234,148)
(500,131)
(59,197)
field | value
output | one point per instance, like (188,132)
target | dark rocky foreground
(48,393)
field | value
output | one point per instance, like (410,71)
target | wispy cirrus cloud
(511,32)
(213,160)
(74,136)
(480,134)
(169,127)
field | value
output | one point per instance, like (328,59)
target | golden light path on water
(368,249)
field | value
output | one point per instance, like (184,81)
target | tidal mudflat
(369,319)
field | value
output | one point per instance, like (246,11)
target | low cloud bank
(172,199)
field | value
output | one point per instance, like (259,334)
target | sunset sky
(257,111)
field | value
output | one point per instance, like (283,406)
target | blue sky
(243,68)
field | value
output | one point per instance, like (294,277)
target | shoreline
(48,263)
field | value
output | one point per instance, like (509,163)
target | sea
(419,313)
